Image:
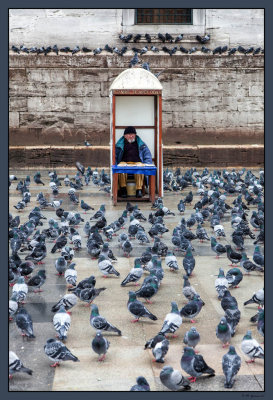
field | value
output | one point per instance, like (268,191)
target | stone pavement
(126,358)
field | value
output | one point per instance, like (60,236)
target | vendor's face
(131,137)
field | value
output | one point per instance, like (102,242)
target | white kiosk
(136,100)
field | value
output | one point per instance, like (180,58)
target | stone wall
(96,27)
(63,100)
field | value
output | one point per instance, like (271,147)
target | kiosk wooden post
(136,100)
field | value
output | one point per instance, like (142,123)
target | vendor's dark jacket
(144,152)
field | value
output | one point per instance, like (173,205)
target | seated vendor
(130,149)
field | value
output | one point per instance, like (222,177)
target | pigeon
(194,364)
(71,275)
(183,50)
(248,265)
(89,282)
(232,255)
(169,38)
(221,283)
(100,345)
(88,294)
(234,277)
(205,49)
(232,50)
(147,37)
(150,344)
(60,265)
(181,206)
(147,291)
(96,51)
(231,363)
(171,261)
(160,350)
(15,49)
(61,322)
(188,262)
(60,243)
(16,365)
(67,301)
(223,332)
(138,309)
(58,352)
(188,291)
(141,386)
(24,323)
(192,338)
(37,180)
(203,39)
(138,37)
(258,258)
(218,248)
(75,50)
(257,298)
(228,301)
(37,281)
(172,321)
(161,37)
(173,379)
(201,233)
(106,267)
(192,308)
(13,306)
(100,323)
(154,49)
(85,206)
(20,290)
(80,167)
(232,315)
(134,61)
(134,275)
(192,50)
(251,348)
(260,325)
(127,247)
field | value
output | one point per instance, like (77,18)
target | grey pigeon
(171,261)
(231,364)
(100,345)
(88,294)
(188,261)
(257,298)
(67,301)
(100,323)
(234,276)
(141,386)
(61,322)
(71,275)
(20,289)
(192,338)
(221,283)
(13,306)
(194,364)
(134,275)
(16,365)
(138,309)
(58,352)
(160,350)
(188,291)
(106,267)
(223,331)
(127,247)
(192,308)
(232,315)
(150,344)
(251,348)
(172,321)
(37,281)
(173,379)
(248,266)
(60,265)
(24,323)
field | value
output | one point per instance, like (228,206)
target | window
(163,16)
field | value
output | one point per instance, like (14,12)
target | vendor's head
(130,134)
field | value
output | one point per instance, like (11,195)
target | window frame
(162,23)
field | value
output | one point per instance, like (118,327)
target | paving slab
(126,358)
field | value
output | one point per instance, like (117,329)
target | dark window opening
(163,16)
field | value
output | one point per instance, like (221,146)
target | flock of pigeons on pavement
(245,214)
